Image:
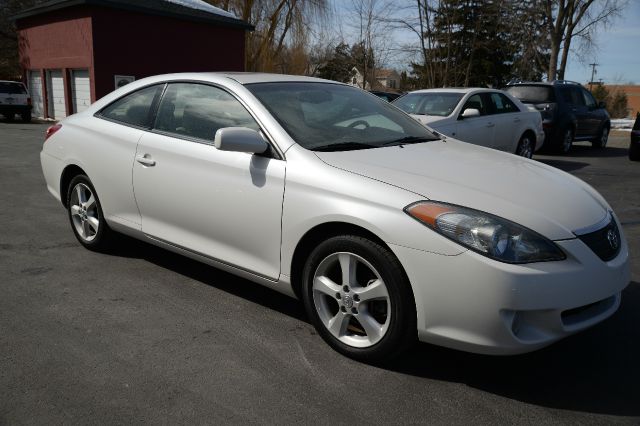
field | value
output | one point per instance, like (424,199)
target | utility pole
(593,73)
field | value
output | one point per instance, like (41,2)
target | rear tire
(634,152)
(566,141)
(358,298)
(526,145)
(26,117)
(85,215)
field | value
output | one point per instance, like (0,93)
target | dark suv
(634,147)
(569,112)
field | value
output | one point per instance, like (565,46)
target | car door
(476,130)
(593,113)
(226,206)
(577,108)
(508,120)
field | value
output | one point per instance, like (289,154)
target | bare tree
(279,28)
(571,19)
(374,36)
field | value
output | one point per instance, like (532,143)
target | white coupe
(485,117)
(387,233)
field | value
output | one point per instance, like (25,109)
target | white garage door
(35,91)
(55,92)
(80,90)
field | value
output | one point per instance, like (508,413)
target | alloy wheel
(525,147)
(84,212)
(351,299)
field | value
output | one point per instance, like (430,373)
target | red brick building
(73,52)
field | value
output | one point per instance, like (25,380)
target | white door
(35,91)
(55,93)
(223,205)
(80,90)
(476,130)
(508,120)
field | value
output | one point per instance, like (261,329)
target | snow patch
(622,123)
(200,5)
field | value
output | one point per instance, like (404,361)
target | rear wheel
(567,141)
(634,152)
(602,139)
(359,299)
(85,215)
(525,146)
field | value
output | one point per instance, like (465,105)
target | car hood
(427,119)
(542,198)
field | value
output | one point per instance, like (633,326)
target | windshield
(334,117)
(532,94)
(438,103)
(12,88)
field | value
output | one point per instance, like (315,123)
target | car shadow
(209,275)
(586,150)
(565,165)
(595,371)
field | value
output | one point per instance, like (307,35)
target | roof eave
(55,5)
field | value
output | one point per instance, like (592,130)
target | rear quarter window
(133,109)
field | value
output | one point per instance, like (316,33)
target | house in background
(385,80)
(73,52)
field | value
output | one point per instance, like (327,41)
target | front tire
(359,299)
(601,141)
(85,215)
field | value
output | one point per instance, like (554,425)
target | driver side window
(198,111)
(476,102)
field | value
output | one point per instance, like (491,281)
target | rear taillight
(29,101)
(51,130)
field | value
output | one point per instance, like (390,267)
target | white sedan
(326,193)
(485,117)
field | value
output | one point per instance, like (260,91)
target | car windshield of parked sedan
(438,103)
(335,117)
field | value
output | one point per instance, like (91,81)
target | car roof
(456,90)
(263,77)
(10,81)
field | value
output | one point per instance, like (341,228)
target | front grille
(583,313)
(604,242)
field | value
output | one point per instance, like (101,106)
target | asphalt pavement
(144,335)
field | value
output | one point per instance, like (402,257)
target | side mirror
(602,105)
(240,139)
(470,112)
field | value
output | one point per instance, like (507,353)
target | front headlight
(490,235)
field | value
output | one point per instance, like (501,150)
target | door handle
(490,125)
(516,120)
(146,160)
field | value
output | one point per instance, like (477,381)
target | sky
(618,52)
(617,49)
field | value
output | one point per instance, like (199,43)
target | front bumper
(472,303)
(15,109)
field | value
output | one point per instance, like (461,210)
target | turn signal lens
(51,130)
(489,235)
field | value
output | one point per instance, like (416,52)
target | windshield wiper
(344,146)
(410,139)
